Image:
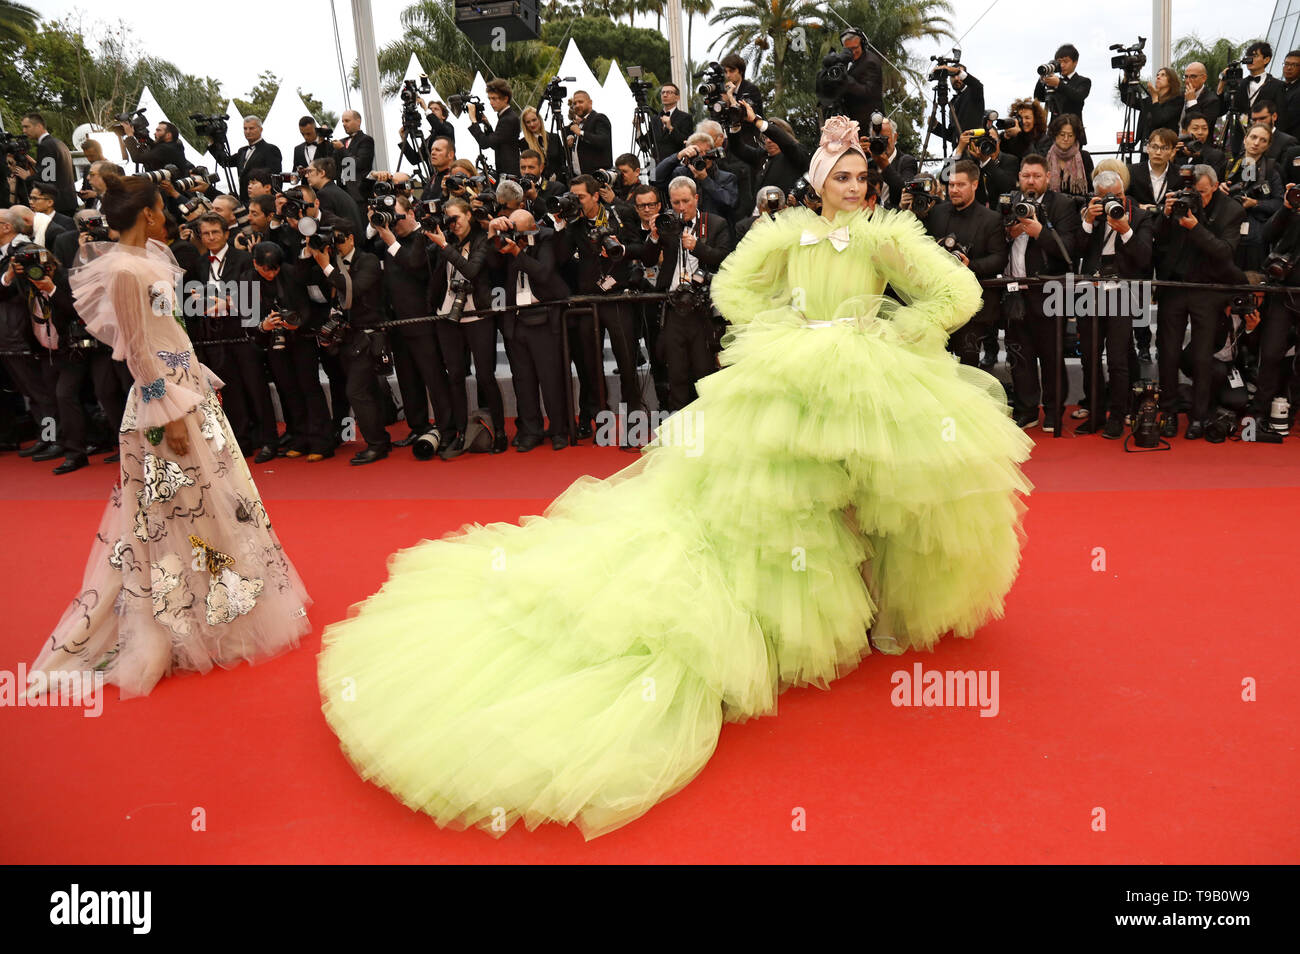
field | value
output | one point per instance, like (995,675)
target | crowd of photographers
(553,239)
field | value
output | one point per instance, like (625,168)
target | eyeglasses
(647,205)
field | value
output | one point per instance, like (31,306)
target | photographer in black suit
(589,137)
(692,251)
(333,200)
(1114,247)
(539,188)
(1149,180)
(532,335)
(287,332)
(1198,149)
(354,157)
(355,278)
(457,256)
(1196,247)
(1064,90)
(1281,311)
(312,145)
(979,229)
(417,359)
(966,110)
(53,165)
(162,151)
(784,158)
(997,171)
(1046,242)
(257,154)
(718,191)
(504,140)
(1289,106)
(864,82)
(671,127)
(895,167)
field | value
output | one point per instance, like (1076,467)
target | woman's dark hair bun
(125,197)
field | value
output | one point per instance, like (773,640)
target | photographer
(996,174)
(333,200)
(30,365)
(93,153)
(1196,246)
(977,229)
(589,138)
(537,187)
(53,163)
(717,189)
(1062,89)
(288,336)
(1289,105)
(257,154)
(672,126)
(1028,133)
(1044,242)
(863,88)
(260,210)
(1235,342)
(1281,311)
(1281,146)
(1160,103)
(459,259)
(897,168)
(967,108)
(1151,179)
(784,159)
(629,177)
(525,251)
(1118,243)
(354,276)
(162,151)
(421,372)
(439,118)
(312,146)
(693,249)
(354,158)
(1254,181)
(648,206)
(48,224)
(225,272)
(728,162)
(504,141)
(599,238)
(1258,85)
(1194,145)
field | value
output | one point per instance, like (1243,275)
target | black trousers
(1115,336)
(297,381)
(338,380)
(619,320)
(688,352)
(1177,308)
(1031,349)
(72,372)
(966,342)
(35,379)
(421,378)
(1275,325)
(246,398)
(537,362)
(651,316)
(481,336)
(363,386)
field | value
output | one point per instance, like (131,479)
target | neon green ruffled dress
(841,477)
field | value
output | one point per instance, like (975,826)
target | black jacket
(966,110)
(156,155)
(360,150)
(594,147)
(473,265)
(236,266)
(334,201)
(1044,255)
(896,175)
(54,167)
(263,156)
(1208,104)
(1133,259)
(538,261)
(997,177)
(503,141)
(406,281)
(323,149)
(862,90)
(785,168)
(367,309)
(714,246)
(664,142)
(1288,111)
(1204,253)
(588,266)
(1142,190)
(718,191)
(1068,97)
(980,229)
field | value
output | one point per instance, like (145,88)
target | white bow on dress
(839,238)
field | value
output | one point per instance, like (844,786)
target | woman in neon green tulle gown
(841,482)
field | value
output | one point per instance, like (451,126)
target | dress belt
(828,324)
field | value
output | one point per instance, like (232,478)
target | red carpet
(1120,690)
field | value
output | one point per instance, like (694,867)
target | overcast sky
(1002,48)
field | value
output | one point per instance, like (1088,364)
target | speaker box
(508,19)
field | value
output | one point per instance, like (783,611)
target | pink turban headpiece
(839,135)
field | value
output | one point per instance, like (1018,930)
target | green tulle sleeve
(752,279)
(938,292)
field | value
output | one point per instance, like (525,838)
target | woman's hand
(178,438)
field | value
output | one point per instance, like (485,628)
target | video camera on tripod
(1131,60)
(138,123)
(941,63)
(714,92)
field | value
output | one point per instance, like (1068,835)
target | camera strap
(347,284)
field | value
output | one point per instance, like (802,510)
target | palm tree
(17,22)
(692,7)
(1216,56)
(760,25)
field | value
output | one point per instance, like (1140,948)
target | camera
(213,127)
(566,206)
(1050,67)
(94,226)
(668,225)
(983,142)
(924,191)
(411,90)
(382,209)
(33,263)
(322,238)
(196,206)
(431,217)
(1242,304)
(461,289)
(14,145)
(1111,206)
(512,234)
(1279,267)
(139,124)
(713,89)
(771,200)
(279,336)
(1189,145)
(992,121)
(1018,205)
(458,102)
(456,182)
(332,329)
(160,175)
(1293,196)
(1184,201)
(692,298)
(606,177)
(607,239)
(802,192)
(876,140)
(197,178)
(1130,59)
(941,64)
(830,78)
(950,244)
(701,162)
(554,94)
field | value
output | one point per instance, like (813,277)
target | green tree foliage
(259,100)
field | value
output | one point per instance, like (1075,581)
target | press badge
(1234,378)
(606,283)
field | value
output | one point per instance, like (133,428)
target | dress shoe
(292,453)
(372,453)
(265,454)
(113,458)
(317,458)
(453,448)
(1089,426)
(1169,425)
(526,442)
(1114,428)
(584,429)
(559,442)
(500,444)
(50,453)
(409,439)
(94,449)
(34,449)
(72,462)
(1027,419)
(1195,431)
(1049,427)
(514,441)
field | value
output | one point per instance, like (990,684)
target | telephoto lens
(427,444)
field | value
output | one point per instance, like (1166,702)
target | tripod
(644,135)
(423,165)
(225,151)
(553,95)
(1127,143)
(940,108)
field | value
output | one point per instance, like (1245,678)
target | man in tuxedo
(1255,86)
(164,150)
(896,167)
(530,167)
(695,250)
(1289,121)
(257,154)
(717,191)
(1197,96)
(354,157)
(225,272)
(864,82)
(504,140)
(670,129)
(1281,144)
(1064,91)
(1198,127)
(966,111)
(421,373)
(312,145)
(1112,248)
(532,335)
(1197,247)
(355,278)
(333,200)
(1148,181)
(980,230)
(997,172)
(41,198)
(1044,243)
(590,139)
(1281,311)
(53,163)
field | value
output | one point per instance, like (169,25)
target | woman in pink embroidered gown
(185,572)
